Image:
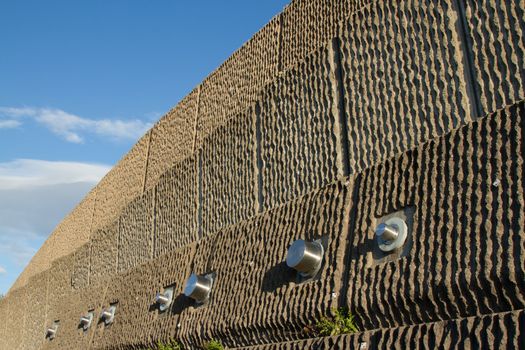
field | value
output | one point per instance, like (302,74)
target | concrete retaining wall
(334,115)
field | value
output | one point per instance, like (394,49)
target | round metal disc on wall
(400,227)
(198,287)
(305,257)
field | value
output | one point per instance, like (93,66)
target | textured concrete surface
(136,240)
(403,78)
(176,207)
(165,150)
(228,166)
(495,31)
(122,184)
(333,116)
(104,253)
(498,331)
(298,138)
(466,258)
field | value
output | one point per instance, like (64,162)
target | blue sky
(81,81)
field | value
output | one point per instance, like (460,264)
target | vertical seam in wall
(339,100)
(146,162)
(258,157)
(468,60)
(196,118)
(118,245)
(279,43)
(350,240)
(154,223)
(199,194)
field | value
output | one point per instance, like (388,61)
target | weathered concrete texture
(81,267)
(138,320)
(172,138)
(237,83)
(404,81)
(70,335)
(308,25)
(4,302)
(59,285)
(176,207)
(122,184)
(256,298)
(136,231)
(228,163)
(16,316)
(36,310)
(69,235)
(104,253)
(498,331)
(468,244)
(297,116)
(496,37)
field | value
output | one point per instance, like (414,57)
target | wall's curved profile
(335,116)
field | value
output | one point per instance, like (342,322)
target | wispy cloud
(72,127)
(30,173)
(2,270)
(9,124)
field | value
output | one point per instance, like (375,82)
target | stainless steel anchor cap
(86,320)
(165,299)
(198,287)
(51,332)
(305,257)
(108,315)
(391,234)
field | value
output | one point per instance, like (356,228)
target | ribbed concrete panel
(404,81)
(496,37)
(237,83)
(81,267)
(121,185)
(104,253)
(138,321)
(59,285)
(498,331)
(256,298)
(165,149)
(307,25)
(3,318)
(135,244)
(298,114)
(176,206)
(70,334)
(468,243)
(35,311)
(229,180)
(15,317)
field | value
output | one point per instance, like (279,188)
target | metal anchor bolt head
(108,315)
(198,287)
(305,257)
(391,234)
(164,299)
(387,233)
(86,320)
(52,331)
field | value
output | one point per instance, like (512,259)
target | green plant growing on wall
(341,323)
(170,345)
(214,345)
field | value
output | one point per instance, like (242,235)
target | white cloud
(35,195)
(27,173)
(2,270)
(9,124)
(72,127)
